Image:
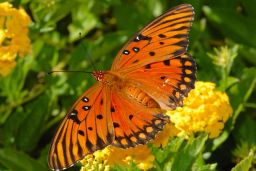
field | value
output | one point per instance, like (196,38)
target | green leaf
(245,130)
(199,165)
(163,155)
(226,18)
(241,92)
(17,160)
(185,157)
(82,22)
(229,82)
(132,167)
(238,95)
(245,164)
(48,13)
(30,132)
(12,87)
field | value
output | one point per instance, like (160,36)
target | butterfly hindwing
(164,37)
(84,130)
(170,80)
(134,123)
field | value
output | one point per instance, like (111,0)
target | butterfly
(152,73)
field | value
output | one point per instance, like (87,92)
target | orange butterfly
(152,73)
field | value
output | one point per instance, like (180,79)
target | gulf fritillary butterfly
(151,73)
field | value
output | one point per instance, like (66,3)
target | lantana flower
(205,109)
(14,38)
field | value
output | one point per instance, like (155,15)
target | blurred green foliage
(69,34)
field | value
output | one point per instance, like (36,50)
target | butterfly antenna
(69,71)
(89,56)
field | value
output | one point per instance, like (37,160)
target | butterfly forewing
(84,130)
(164,37)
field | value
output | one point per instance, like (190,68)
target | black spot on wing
(130,116)
(136,49)
(73,116)
(99,116)
(85,99)
(166,62)
(112,109)
(126,52)
(116,125)
(162,36)
(148,66)
(86,108)
(135,61)
(152,53)
(100,143)
(162,77)
(89,145)
(80,132)
(141,37)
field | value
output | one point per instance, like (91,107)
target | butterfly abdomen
(140,96)
(122,85)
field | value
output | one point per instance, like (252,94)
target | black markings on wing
(83,130)
(170,79)
(143,134)
(134,124)
(73,116)
(183,82)
(165,37)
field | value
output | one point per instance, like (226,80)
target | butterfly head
(98,75)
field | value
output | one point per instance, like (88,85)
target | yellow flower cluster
(205,109)
(14,38)
(141,155)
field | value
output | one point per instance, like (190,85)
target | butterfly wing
(164,37)
(84,130)
(134,123)
(168,81)
(156,59)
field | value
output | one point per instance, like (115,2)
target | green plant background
(68,34)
